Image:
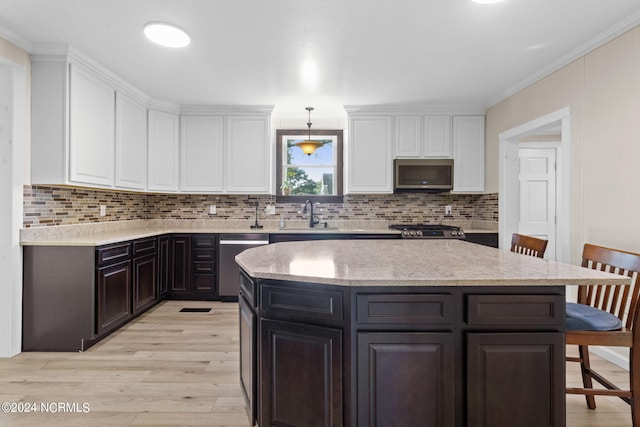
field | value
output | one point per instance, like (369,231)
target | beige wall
(602,90)
(13,53)
(10,53)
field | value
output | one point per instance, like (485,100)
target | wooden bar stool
(607,316)
(528,245)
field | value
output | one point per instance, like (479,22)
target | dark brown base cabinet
(164,274)
(114,296)
(486,239)
(75,296)
(179,266)
(303,364)
(145,274)
(192,267)
(248,357)
(390,364)
(525,365)
(402,356)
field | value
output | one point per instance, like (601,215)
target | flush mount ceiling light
(166,34)
(486,1)
(308,147)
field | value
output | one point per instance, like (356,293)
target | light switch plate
(103,210)
(270,210)
(212,209)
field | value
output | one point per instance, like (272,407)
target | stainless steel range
(429,231)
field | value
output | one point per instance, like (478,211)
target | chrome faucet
(312,219)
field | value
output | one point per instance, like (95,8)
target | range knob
(412,233)
(454,233)
(419,233)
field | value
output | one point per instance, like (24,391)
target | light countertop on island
(411,263)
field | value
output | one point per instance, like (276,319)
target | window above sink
(316,177)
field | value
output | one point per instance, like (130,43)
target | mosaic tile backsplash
(51,206)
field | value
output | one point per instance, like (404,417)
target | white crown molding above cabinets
(164,106)
(216,110)
(12,37)
(426,109)
(56,52)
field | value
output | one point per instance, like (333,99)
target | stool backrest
(528,245)
(616,299)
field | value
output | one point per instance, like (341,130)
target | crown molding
(225,109)
(12,37)
(167,107)
(435,109)
(601,39)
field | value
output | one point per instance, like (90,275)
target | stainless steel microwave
(434,175)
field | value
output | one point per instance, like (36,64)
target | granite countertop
(104,233)
(411,263)
(114,232)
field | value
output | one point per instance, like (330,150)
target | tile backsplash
(51,206)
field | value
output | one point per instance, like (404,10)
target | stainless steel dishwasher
(228,270)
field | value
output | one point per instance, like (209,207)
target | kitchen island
(403,333)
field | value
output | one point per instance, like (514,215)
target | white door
(537,181)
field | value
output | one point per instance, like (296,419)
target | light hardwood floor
(168,368)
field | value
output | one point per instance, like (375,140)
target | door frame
(14,76)
(508,196)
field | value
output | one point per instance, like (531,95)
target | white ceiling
(366,51)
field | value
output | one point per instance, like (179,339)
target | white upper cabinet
(73,124)
(419,136)
(91,129)
(370,159)
(201,145)
(131,143)
(468,154)
(163,151)
(436,136)
(87,127)
(408,136)
(247,168)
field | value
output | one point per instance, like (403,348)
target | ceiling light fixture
(486,1)
(308,147)
(166,34)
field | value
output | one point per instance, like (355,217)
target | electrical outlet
(270,209)
(103,210)
(212,209)
(447,210)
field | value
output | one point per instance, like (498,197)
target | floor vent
(195,310)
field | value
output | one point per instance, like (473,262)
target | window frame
(338,181)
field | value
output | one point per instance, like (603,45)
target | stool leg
(634,381)
(587,382)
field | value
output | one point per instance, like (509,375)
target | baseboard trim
(611,356)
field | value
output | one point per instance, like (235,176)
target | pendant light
(308,147)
